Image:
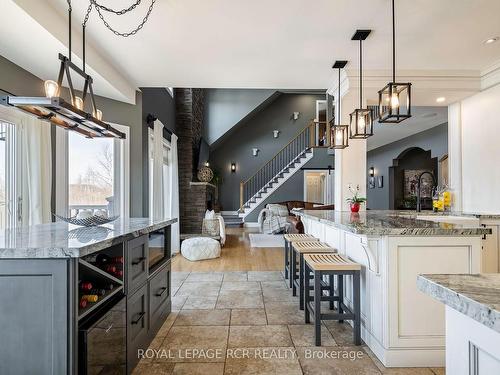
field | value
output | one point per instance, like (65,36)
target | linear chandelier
(72,115)
(339,138)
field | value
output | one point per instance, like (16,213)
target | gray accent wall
(258,132)
(434,139)
(15,80)
(224,108)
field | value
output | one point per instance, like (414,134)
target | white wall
(480,124)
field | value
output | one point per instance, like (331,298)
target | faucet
(419,188)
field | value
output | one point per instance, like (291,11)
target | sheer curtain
(158,199)
(174,193)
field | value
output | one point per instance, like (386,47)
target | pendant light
(339,138)
(394,100)
(361,119)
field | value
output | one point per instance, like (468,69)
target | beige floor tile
(240,285)
(303,335)
(178,302)
(147,368)
(395,370)
(263,361)
(210,342)
(345,361)
(279,295)
(265,276)
(204,289)
(199,369)
(342,332)
(203,318)
(234,299)
(167,324)
(179,276)
(284,313)
(235,276)
(204,276)
(275,284)
(196,302)
(259,336)
(248,317)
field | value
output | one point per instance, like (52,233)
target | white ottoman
(199,248)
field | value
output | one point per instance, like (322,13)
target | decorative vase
(355,207)
(205,174)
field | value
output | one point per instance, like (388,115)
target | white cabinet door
(489,254)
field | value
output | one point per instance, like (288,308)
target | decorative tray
(91,221)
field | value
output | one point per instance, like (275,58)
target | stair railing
(315,134)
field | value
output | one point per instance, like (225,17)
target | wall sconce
(255,151)
(295,116)
(207,164)
(372,171)
(276,133)
(233,167)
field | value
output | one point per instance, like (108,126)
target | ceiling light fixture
(339,137)
(441,99)
(361,119)
(394,100)
(58,111)
(491,40)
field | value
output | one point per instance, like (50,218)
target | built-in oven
(159,247)
(102,345)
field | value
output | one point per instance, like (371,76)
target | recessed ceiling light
(441,99)
(491,40)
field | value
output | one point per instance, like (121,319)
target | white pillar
(350,163)
(455,153)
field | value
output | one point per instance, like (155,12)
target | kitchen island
(402,326)
(82,300)
(472,320)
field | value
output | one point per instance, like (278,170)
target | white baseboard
(251,225)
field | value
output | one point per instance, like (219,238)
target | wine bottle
(100,259)
(83,303)
(90,298)
(110,269)
(98,291)
(85,286)
(118,260)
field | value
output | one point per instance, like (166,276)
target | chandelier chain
(118,33)
(87,15)
(117,12)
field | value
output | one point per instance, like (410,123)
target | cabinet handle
(161,291)
(141,315)
(137,261)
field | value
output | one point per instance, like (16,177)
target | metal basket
(91,221)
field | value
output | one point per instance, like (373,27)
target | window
(165,173)
(93,174)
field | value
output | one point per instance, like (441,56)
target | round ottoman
(199,248)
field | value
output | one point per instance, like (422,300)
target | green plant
(355,198)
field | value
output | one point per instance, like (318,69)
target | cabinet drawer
(137,263)
(137,324)
(159,298)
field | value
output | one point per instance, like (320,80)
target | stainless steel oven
(102,340)
(159,247)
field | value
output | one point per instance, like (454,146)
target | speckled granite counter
(477,296)
(62,240)
(391,223)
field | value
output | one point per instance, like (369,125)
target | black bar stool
(298,250)
(334,265)
(290,238)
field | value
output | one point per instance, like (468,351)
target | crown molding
(490,76)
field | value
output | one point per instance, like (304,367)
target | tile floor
(249,323)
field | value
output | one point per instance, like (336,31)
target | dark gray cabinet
(137,263)
(34,317)
(137,324)
(159,298)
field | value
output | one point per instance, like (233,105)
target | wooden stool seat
(297,237)
(330,262)
(312,247)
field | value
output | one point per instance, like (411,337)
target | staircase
(288,161)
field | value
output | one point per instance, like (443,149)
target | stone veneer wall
(189,122)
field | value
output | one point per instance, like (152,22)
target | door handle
(141,315)
(137,261)
(161,291)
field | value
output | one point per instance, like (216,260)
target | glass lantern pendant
(339,137)
(394,100)
(361,119)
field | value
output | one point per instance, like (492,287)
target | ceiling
(262,43)
(423,118)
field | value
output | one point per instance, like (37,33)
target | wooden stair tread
(331,262)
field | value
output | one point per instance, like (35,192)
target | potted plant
(355,201)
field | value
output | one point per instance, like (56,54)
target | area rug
(266,240)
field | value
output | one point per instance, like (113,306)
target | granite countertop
(477,296)
(393,223)
(62,240)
